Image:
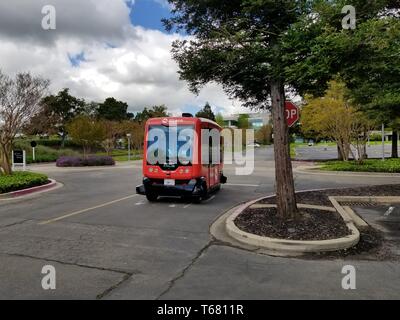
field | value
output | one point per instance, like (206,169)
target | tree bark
(5,160)
(285,192)
(395,139)
(340,153)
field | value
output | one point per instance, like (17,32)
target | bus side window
(210,151)
(221,149)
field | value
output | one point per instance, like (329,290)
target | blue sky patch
(76,59)
(148,13)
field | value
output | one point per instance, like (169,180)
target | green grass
(122,155)
(370,165)
(21,180)
(43,153)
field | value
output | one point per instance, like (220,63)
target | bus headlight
(151,170)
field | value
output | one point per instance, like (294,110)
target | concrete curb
(348,213)
(316,170)
(282,246)
(20,193)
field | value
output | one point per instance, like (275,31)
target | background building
(256,120)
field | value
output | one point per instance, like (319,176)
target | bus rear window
(171,146)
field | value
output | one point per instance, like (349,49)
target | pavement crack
(13,224)
(71,263)
(115,286)
(185,270)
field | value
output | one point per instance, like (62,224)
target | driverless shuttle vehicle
(183,156)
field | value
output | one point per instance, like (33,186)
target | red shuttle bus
(176,162)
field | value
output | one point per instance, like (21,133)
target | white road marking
(242,185)
(86,210)
(209,199)
(187,206)
(172,205)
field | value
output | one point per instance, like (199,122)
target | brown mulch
(311,225)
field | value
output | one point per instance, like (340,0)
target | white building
(256,120)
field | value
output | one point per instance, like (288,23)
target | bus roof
(181,120)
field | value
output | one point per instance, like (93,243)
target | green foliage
(245,45)
(206,112)
(87,132)
(112,110)
(59,110)
(375,137)
(369,165)
(243,121)
(264,134)
(220,120)
(154,112)
(21,180)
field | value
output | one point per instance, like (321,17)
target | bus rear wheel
(151,197)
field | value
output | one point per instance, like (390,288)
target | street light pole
(129,146)
(383,142)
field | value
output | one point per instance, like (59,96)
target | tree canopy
(154,112)
(112,109)
(206,112)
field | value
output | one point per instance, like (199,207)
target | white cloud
(137,68)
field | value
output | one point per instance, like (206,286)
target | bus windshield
(170,146)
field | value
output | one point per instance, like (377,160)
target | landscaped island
(21,180)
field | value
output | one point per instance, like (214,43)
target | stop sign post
(292,113)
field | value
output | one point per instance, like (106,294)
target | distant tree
(19,101)
(333,116)
(60,110)
(112,132)
(136,129)
(206,112)
(87,132)
(264,134)
(154,112)
(112,110)
(243,121)
(220,120)
(375,89)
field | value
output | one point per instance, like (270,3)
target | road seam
(18,255)
(185,270)
(106,292)
(86,210)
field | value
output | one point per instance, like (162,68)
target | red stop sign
(292,113)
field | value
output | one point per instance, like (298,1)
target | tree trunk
(395,139)
(5,160)
(340,153)
(285,193)
(63,136)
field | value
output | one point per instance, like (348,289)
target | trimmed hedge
(85,162)
(20,180)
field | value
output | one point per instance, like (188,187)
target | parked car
(254,145)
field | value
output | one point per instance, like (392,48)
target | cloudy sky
(102,48)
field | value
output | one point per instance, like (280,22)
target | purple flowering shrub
(68,161)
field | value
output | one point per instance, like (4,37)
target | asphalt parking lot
(107,242)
